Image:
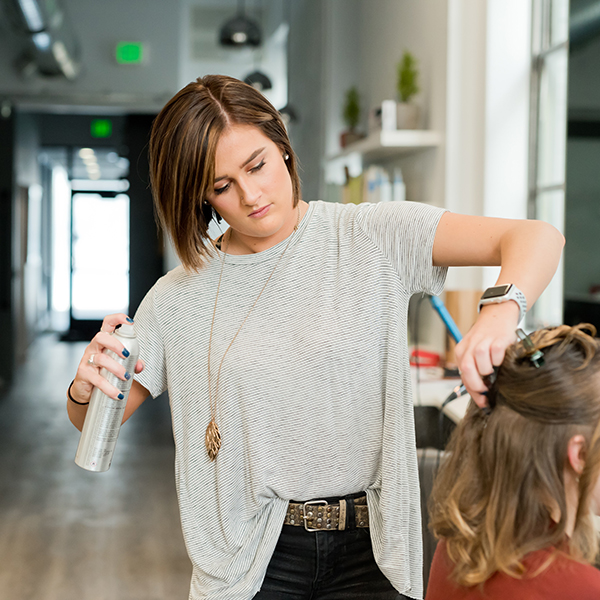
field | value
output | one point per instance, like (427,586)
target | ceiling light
(258,80)
(41,40)
(240,30)
(288,114)
(32,14)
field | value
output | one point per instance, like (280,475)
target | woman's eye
(221,189)
(258,167)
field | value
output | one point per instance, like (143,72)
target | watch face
(497,291)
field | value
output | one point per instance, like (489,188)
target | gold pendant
(213,439)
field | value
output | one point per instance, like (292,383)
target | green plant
(407,77)
(352,108)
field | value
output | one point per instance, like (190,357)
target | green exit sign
(101,128)
(130,53)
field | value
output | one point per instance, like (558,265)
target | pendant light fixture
(258,80)
(240,31)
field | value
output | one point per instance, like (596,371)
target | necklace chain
(213,434)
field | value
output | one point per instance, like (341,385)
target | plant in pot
(351,116)
(407,85)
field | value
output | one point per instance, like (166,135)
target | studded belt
(321,515)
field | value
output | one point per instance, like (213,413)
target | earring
(209,212)
(286,157)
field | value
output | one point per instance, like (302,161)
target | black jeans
(325,565)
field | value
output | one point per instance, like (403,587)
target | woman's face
(253,188)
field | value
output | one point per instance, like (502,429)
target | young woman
(513,503)
(283,347)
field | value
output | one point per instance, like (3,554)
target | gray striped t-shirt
(314,396)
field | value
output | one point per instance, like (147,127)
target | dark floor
(66,534)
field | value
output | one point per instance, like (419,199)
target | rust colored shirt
(564,579)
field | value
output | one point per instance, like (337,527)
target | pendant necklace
(213,435)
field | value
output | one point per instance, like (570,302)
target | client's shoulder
(565,575)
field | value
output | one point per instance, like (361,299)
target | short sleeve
(152,352)
(404,232)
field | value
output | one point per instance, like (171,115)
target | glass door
(100,255)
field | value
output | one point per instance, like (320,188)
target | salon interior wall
(22,280)
(29,290)
(487,117)
(306,89)
(474,62)
(102,85)
(582,215)
(487,136)
(364,40)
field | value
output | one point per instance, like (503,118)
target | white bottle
(388,115)
(385,188)
(371,184)
(398,188)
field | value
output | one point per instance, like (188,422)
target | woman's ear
(576,454)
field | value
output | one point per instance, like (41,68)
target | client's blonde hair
(494,496)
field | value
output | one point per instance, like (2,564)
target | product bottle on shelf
(399,189)
(385,187)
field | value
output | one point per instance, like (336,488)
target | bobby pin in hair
(537,358)
(489,380)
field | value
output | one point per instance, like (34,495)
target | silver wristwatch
(504,293)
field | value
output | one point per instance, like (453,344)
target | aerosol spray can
(104,416)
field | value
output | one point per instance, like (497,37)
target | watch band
(504,293)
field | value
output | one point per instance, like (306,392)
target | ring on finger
(91,360)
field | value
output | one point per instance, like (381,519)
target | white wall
(342,50)
(489,57)
(508,76)
(306,70)
(365,41)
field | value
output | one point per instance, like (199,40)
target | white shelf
(383,144)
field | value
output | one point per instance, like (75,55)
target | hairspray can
(104,416)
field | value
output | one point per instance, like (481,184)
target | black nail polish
(127,376)
(125,352)
(130,320)
(120,396)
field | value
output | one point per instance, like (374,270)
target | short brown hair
(494,495)
(182,152)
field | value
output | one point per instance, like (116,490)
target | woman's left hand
(484,345)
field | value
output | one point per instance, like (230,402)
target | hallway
(66,534)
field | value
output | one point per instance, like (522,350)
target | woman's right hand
(88,374)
